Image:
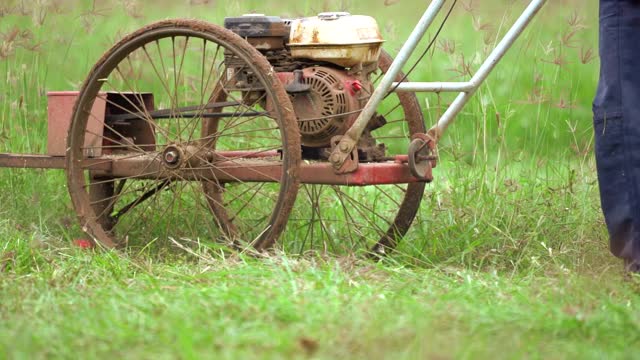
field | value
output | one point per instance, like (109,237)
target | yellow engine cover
(338,38)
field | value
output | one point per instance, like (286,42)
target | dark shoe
(632,266)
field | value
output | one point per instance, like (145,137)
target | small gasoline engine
(325,63)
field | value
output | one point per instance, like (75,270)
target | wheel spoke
(363,217)
(189,72)
(141,199)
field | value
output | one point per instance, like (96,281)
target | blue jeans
(616,120)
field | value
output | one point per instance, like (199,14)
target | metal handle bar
(466,89)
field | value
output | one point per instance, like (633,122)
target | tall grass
(519,152)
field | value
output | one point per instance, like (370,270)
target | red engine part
(327,106)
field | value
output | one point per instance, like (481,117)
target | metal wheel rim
(195,29)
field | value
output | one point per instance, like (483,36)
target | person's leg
(617,126)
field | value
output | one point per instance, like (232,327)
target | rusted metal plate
(128,120)
(60,110)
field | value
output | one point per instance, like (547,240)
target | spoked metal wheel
(199,141)
(369,218)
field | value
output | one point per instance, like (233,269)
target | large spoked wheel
(371,218)
(212,154)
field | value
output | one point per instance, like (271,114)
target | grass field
(508,257)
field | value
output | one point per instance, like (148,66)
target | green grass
(508,257)
(126,305)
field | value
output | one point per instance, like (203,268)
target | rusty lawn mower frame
(92,135)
